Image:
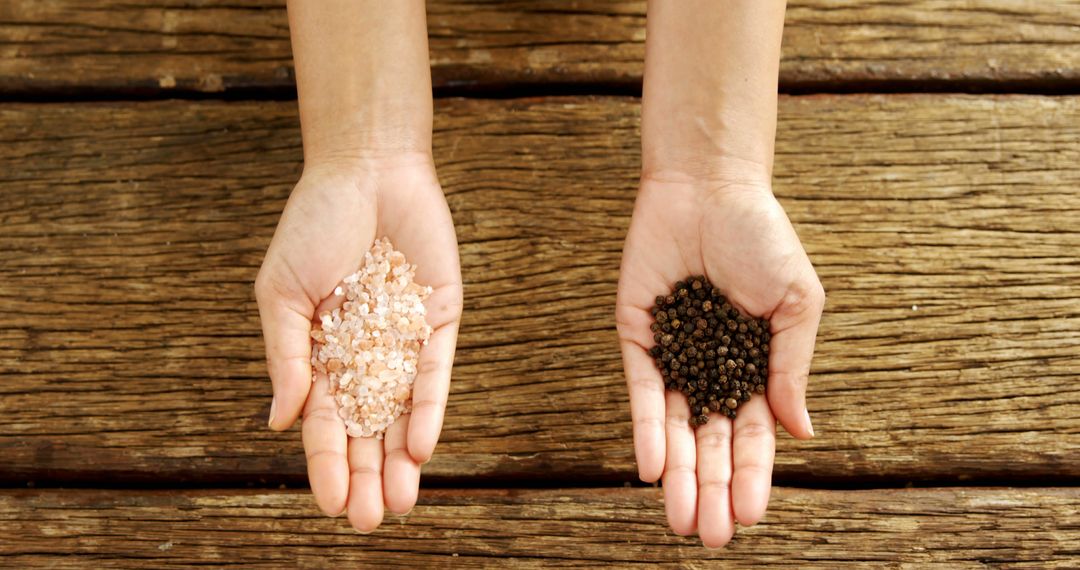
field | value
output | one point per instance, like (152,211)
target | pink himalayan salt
(369,348)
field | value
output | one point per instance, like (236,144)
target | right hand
(332,218)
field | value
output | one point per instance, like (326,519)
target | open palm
(332,218)
(738,236)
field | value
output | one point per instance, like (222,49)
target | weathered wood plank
(215,45)
(130,234)
(923,528)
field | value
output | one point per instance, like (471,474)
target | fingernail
(809,426)
(273,410)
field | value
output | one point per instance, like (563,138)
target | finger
(753,449)
(401,473)
(325,445)
(680,480)
(432,385)
(716,525)
(331,302)
(647,409)
(794,327)
(285,314)
(365,483)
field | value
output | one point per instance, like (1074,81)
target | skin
(705,206)
(366,120)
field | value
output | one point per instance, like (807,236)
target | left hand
(735,233)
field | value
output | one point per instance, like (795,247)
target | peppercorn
(707,350)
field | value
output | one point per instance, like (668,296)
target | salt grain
(370,348)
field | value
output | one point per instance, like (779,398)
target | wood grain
(945,230)
(915,528)
(217,45)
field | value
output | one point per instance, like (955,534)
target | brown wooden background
(928,153)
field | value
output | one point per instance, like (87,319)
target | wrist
(366,162)
(705,168)
(372,134)
(703,138)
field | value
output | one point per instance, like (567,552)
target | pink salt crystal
(402,393)
(370,346)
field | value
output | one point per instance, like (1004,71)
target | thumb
(794,327)
(285,312)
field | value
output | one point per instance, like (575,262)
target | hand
(737,235)
(332,218)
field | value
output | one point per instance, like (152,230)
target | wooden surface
(915,528)
(70,46)
(945,230)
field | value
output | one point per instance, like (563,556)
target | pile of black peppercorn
(707,350)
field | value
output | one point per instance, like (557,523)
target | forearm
(709,97)
(362,76)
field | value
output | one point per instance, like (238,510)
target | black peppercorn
(707,350)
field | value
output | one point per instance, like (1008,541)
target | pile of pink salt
(369,348)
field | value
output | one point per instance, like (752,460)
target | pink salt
(369,348)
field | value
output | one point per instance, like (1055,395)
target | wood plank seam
(165,47)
